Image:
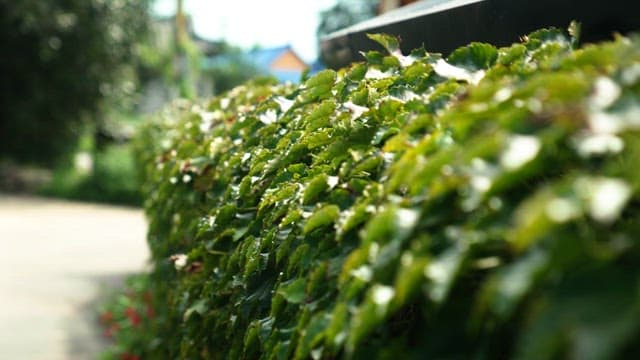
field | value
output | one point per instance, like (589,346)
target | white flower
(404,60)
(608,199)
(606,92)
(406,218)
(605,197)
(179,261)
(449,71)
(503,94)
(381,294)
(269,117)
(598,144)
(363,273)
(377,74)
(520,150)
(285,104)
(356,110)
(481,174)
(562,210)
(332,181)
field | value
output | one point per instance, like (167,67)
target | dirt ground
(57,260)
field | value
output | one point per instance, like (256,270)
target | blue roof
(263,58)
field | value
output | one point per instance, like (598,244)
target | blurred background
(79,75)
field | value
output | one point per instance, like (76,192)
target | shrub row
(479,206)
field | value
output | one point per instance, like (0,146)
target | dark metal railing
(444,25)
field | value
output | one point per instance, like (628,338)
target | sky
(246,23)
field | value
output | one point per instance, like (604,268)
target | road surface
(57,260)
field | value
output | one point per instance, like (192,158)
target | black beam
(443,26)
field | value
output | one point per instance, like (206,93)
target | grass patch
(113,179)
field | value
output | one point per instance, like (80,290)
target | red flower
(106,317)
(133,316)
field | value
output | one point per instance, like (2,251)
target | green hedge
(482,206)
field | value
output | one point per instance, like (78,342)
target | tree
(345,13)
(62,61)
(229,68)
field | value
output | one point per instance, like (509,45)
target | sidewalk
(55,259)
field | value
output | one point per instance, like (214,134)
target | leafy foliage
(60,60)
(482,206)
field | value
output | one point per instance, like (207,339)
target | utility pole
(185,54)
(181,24)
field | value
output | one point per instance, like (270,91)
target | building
(222,66)
(281,62)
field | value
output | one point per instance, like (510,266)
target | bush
(482,206)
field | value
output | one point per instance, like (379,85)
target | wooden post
(185,72)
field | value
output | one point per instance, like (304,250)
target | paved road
(56,258)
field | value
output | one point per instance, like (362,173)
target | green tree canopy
(61,60)
(345,13)
(230,68)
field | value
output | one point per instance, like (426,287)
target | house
(222,66)
(281,62)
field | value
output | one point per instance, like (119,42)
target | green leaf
(506,289)
(319,86)
(409,279)
(314,188)
(373,57)
(592,322)
(389,42)
(369,315)
(548,35)
(443,272)
(352,218)
(200,307)
(317,139)
(335,333)
(312,336)
(357,72)
(575,30)
(320,117)
(293,291)
(322,217)
(475,56)
(393,224)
